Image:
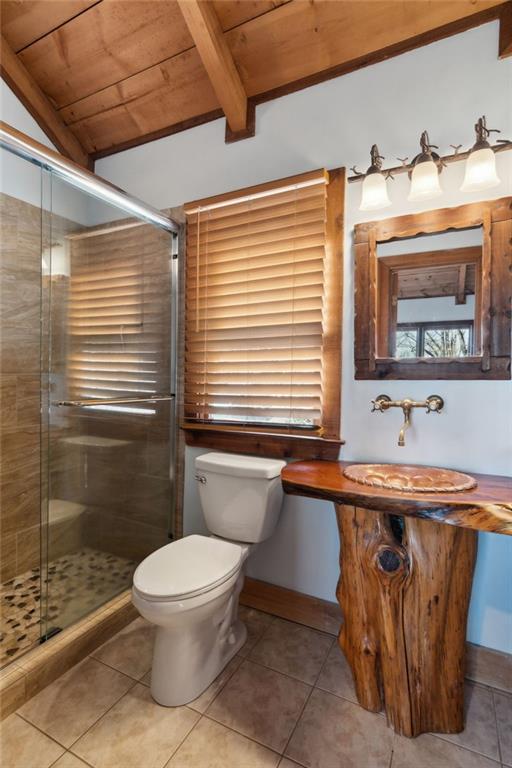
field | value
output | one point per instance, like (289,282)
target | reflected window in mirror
(429,298)
(433,294)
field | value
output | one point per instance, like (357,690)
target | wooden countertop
(488,507)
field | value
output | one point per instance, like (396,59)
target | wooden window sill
(258,442)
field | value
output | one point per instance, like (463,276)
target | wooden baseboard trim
(483,665)
(291,605)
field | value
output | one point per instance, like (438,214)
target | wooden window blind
(262,335)
(118,317)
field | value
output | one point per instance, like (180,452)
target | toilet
(189,589)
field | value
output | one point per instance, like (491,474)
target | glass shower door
(109,435)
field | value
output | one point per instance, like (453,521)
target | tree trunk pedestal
(404,590)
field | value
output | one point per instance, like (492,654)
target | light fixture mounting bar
(453,158)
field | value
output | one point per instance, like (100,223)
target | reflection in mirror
(429,295)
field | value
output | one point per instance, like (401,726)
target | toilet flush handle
(201,479)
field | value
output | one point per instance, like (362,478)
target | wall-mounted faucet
(383,403)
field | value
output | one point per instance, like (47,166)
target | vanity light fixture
(374,194)
(426,167)
(481,163)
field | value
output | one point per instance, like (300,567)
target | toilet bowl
(189,589)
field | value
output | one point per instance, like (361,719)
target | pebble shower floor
(77,584)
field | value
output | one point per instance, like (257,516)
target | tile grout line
(17,714)
(68,752)
(164,765)
(290,677)
(313,687)
(442,737)
(238,733)
(101,716)
(243,658)
(231,728)
(68,749)
(286,674)
(185,737)
(500,758)
(220,689)
(121,672)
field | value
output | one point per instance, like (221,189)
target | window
(441,339)
(263,316)
(119,317)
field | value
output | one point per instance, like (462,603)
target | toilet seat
(186,568)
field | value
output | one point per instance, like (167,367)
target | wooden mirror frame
(493,362)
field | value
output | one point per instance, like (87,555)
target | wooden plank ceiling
(117,73)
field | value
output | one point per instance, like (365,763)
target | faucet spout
(407,423)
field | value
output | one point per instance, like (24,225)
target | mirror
(429,296)
(432,294)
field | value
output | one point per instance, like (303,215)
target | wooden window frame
(290,442)
(493,362)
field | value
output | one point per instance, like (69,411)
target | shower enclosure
(88,345)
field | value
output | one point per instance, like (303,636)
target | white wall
(25,181)
(435,309)
(443,87)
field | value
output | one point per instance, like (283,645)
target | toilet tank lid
(240,466)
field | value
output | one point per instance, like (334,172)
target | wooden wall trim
(260,443)
(291,605)
(483,665)
(333,304)
(19,79)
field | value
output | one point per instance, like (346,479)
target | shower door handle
(113,401)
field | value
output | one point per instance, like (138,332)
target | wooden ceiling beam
(27,90)
(206,31)
(505,44)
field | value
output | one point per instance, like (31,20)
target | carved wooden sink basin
(401,477)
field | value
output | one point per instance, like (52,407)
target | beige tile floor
(286,700)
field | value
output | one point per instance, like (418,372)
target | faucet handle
(435,403)
(380,403)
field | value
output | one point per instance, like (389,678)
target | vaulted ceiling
(104,75)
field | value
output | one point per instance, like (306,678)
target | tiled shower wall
(20,287)
(24,374)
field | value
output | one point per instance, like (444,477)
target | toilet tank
(241,496)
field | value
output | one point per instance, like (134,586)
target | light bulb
(480,170)
(425,181)
(374,194)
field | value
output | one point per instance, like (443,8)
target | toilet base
(187,657)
